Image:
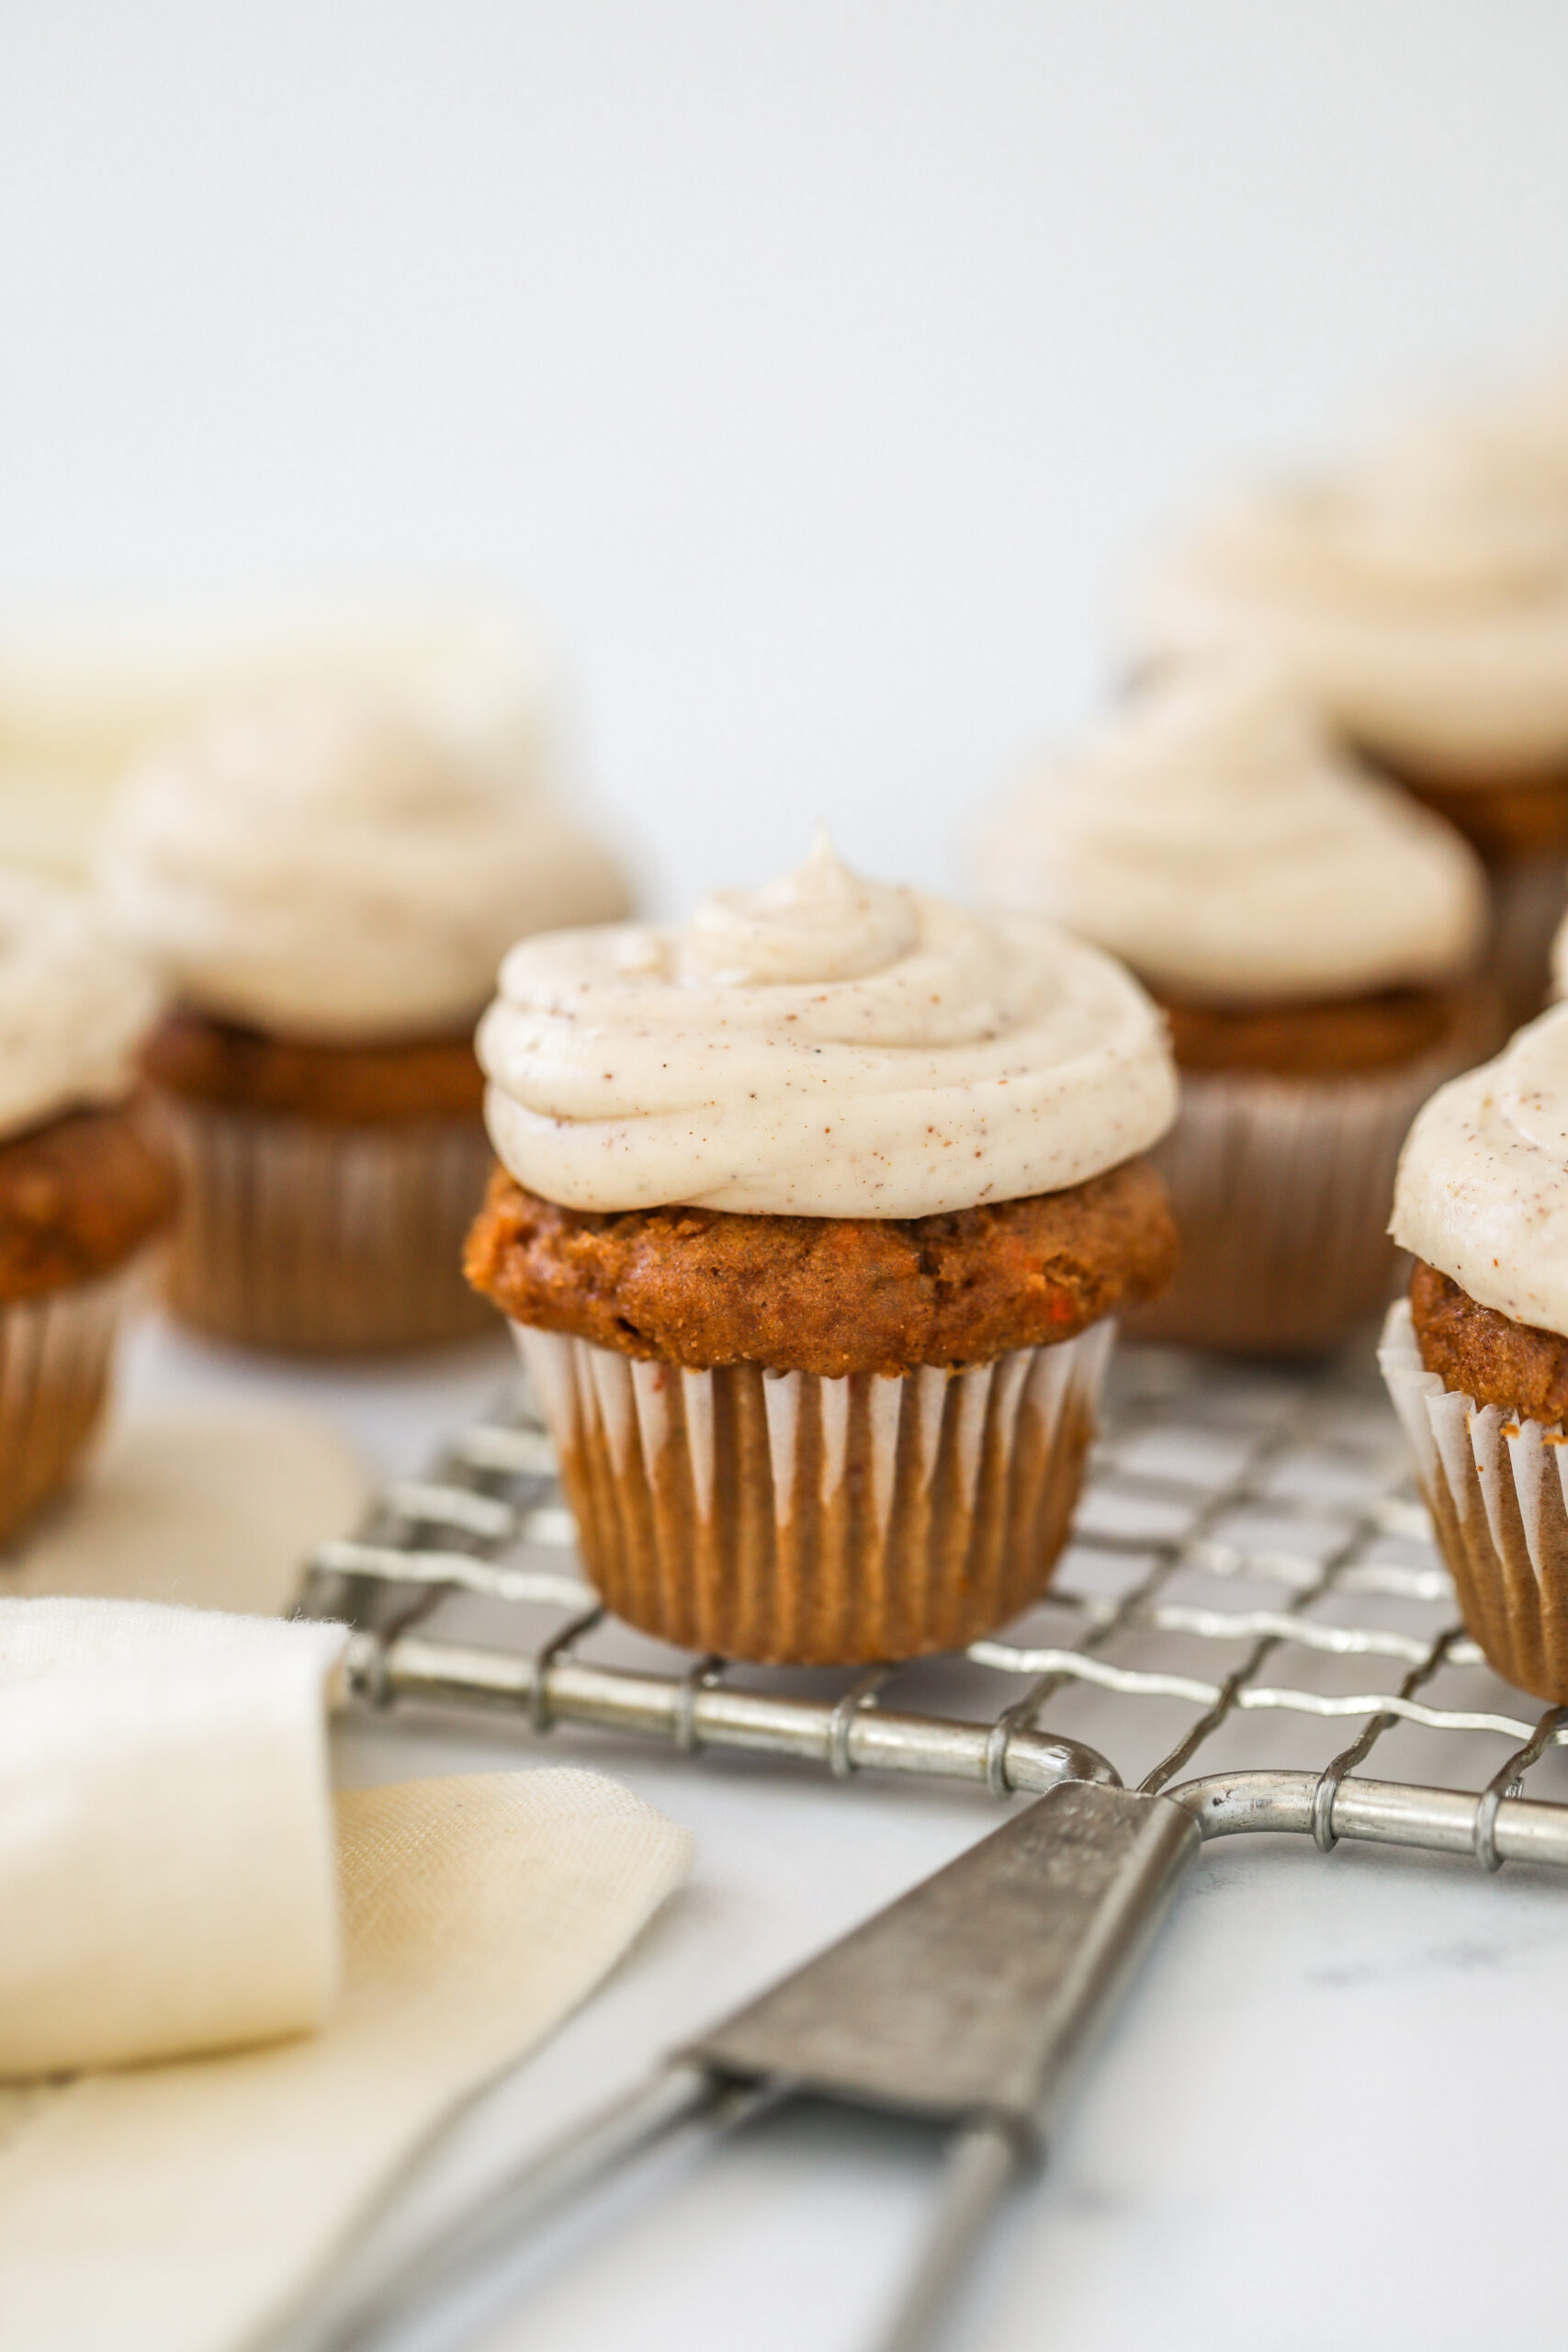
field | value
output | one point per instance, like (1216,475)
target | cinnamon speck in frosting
(1483,1186)
(901,1009)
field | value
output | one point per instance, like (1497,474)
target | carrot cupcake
(78,705)
(1420,599)
(811,1218)
(81,1191)
(327,884)
(1476,1359)
(1312,935)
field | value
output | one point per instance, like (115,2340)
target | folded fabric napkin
(174,1875)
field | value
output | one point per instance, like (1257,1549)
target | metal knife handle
(1121,1857)
(974,1995)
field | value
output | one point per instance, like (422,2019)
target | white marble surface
(1325,2116)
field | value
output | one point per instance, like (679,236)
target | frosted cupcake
(81,1193)
(1311,934)
(1476,1360)
(78,705)
(1505,447)
(327,885)
(1420,599)
(812,1216)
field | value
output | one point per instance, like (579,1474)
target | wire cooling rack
(1251,1589)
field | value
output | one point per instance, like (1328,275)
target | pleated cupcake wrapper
(1281,1190)
(306,1235)
(55,1359)
(1496,1485)
(785,1518)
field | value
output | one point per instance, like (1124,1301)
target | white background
(811,374)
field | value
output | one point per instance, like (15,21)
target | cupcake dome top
(1210,834)
(1483,1186)
(328,865)
(825,1046)
(1420,599)
(75,1005)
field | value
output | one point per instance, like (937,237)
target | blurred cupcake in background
(812,1218)
(77,706)
(1312,935)
(1419,597)
(1507,444)
(327,881)
(82,1192)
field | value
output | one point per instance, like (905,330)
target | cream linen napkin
(212,1508)
(183,2207)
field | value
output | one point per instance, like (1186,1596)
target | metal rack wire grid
(1251,1589)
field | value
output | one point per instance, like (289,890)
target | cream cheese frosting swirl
(1211,835)
(75,1005)
(1423,606)
(1508,446)
(77,706)
(326,867)
(825,1046)
(1483,1186)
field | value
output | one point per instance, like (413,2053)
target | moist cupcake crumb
(77,1196)
(827,1295)
(1479,1353)
(1326,1037)
(371,1083)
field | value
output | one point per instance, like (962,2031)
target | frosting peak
(825,1046)
(819,922)
(74,1006)
(1482,1187)
(1210,834)
(328,865)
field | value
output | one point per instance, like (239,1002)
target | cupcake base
(314,1238)
(1280,1188)
(55,1356)
(786,1518)
(1496,1486)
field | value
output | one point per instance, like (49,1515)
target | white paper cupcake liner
(1529,898)
(780,1517)
(315,1236)
(1281,1190)
(55,1358)
(1496,1485)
